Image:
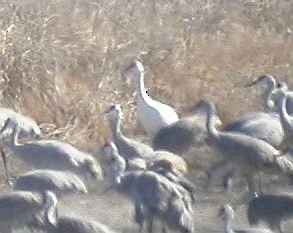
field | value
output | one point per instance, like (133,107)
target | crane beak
(260,78)
(252,83)
(107,111)
(221,213)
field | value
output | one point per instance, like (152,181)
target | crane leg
(139,215)
(260,188)
(5,228)
(4,158)
(221,169)
(164,228)
(150,224)
(251,183)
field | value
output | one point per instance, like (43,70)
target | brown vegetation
(61,60)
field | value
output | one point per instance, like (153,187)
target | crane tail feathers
(285,164)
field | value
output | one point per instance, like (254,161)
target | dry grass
(61,60)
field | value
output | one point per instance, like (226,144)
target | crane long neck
(211,124)
(270,104)
(141,88)
(115,125)
(120,166)
(228,225)
(50,210)
(286,119)
(14,139)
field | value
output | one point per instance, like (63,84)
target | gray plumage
(272,92)
(271,209)
(155,196)
(249,155)
(59,182)
(180,136)
(53,223)
(127,147)
(66,224)
(55,155)
(134,151)
(227,214)
(165,159)
(286,118)
(28,128)
(261,125)
(21,208)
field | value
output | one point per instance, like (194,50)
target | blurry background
(61,60)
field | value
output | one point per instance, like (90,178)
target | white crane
(152,114)
(53,154)
(133,150)
(59,182)
(155,196)
(20,208)
(247,154)
(53,223)
(227,214)
(27,126)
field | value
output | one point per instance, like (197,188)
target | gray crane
(249,155)
(19,209)
(27,126)
(128,148)
(272,90)
(262,125)
(133,150)
(286,118)
(53,223)
(271,209)
(59,182)
(154,196)
(227,214)
(180,136)
(53,154)
(265,126)
(160,165)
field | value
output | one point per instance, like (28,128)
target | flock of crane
(152,177)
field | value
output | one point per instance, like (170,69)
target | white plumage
(152,114)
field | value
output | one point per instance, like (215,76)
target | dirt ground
(116,210)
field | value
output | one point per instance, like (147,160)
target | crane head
(265,80)
(36,132)
(109,149)
(282,85)
(114,111)
(139,66)
(226,212)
